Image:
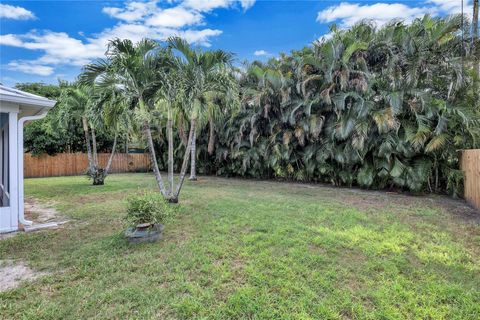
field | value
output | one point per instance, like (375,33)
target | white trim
(21,205)
(28,101)
(21,97)
(13,168)
(8,107)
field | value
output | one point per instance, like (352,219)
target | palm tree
(378,107)
(82,103)
(136,71)
(149,79)
(202,73)
(77,101)
(167,102)
(368,106)
(112,114)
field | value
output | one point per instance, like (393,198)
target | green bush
(148,207)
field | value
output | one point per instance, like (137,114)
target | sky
(43,41)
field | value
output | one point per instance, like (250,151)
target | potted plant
(146,214)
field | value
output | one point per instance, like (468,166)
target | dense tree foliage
(51,135)
(376,107)
(44,136)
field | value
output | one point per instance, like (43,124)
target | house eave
(34,102)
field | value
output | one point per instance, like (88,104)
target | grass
(249,250)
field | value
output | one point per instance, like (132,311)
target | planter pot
(144,233)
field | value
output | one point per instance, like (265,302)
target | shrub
(148,207)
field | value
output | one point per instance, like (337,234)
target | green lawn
(249,250)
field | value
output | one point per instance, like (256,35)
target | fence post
(470,165)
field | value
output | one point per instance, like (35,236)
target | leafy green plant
(148,207)
(386,115)
(380,107)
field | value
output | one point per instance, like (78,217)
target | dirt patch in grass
(370,200)
(459,208)
(102,196)
(12,273)
(396,201)
(41,213)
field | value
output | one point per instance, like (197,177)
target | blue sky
(50,40)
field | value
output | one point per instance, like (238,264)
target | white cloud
(206,6)
(10,40)
(187,12)
(451,6)
(58,47)
(133,11)
(381,13)
(261,53)
(137,20)
(200,37)
(30,67)
(175,17)
(247,4)
(209,5)
(16,13)
(347,14)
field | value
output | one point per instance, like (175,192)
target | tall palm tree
(82,103)
(167,102)
(370,106)
(112,115)
(379,107)
(134,69)
(202,73)
(78,101)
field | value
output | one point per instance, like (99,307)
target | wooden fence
(71,164)
(470,165)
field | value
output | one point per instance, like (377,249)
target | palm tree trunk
(185,163)
(475,20)
(170,155)
(475,34)
(153,159)
(94,147)
(211,137)
(193,164)
(87,142)
(181,132)
(97,174)
(110,159)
